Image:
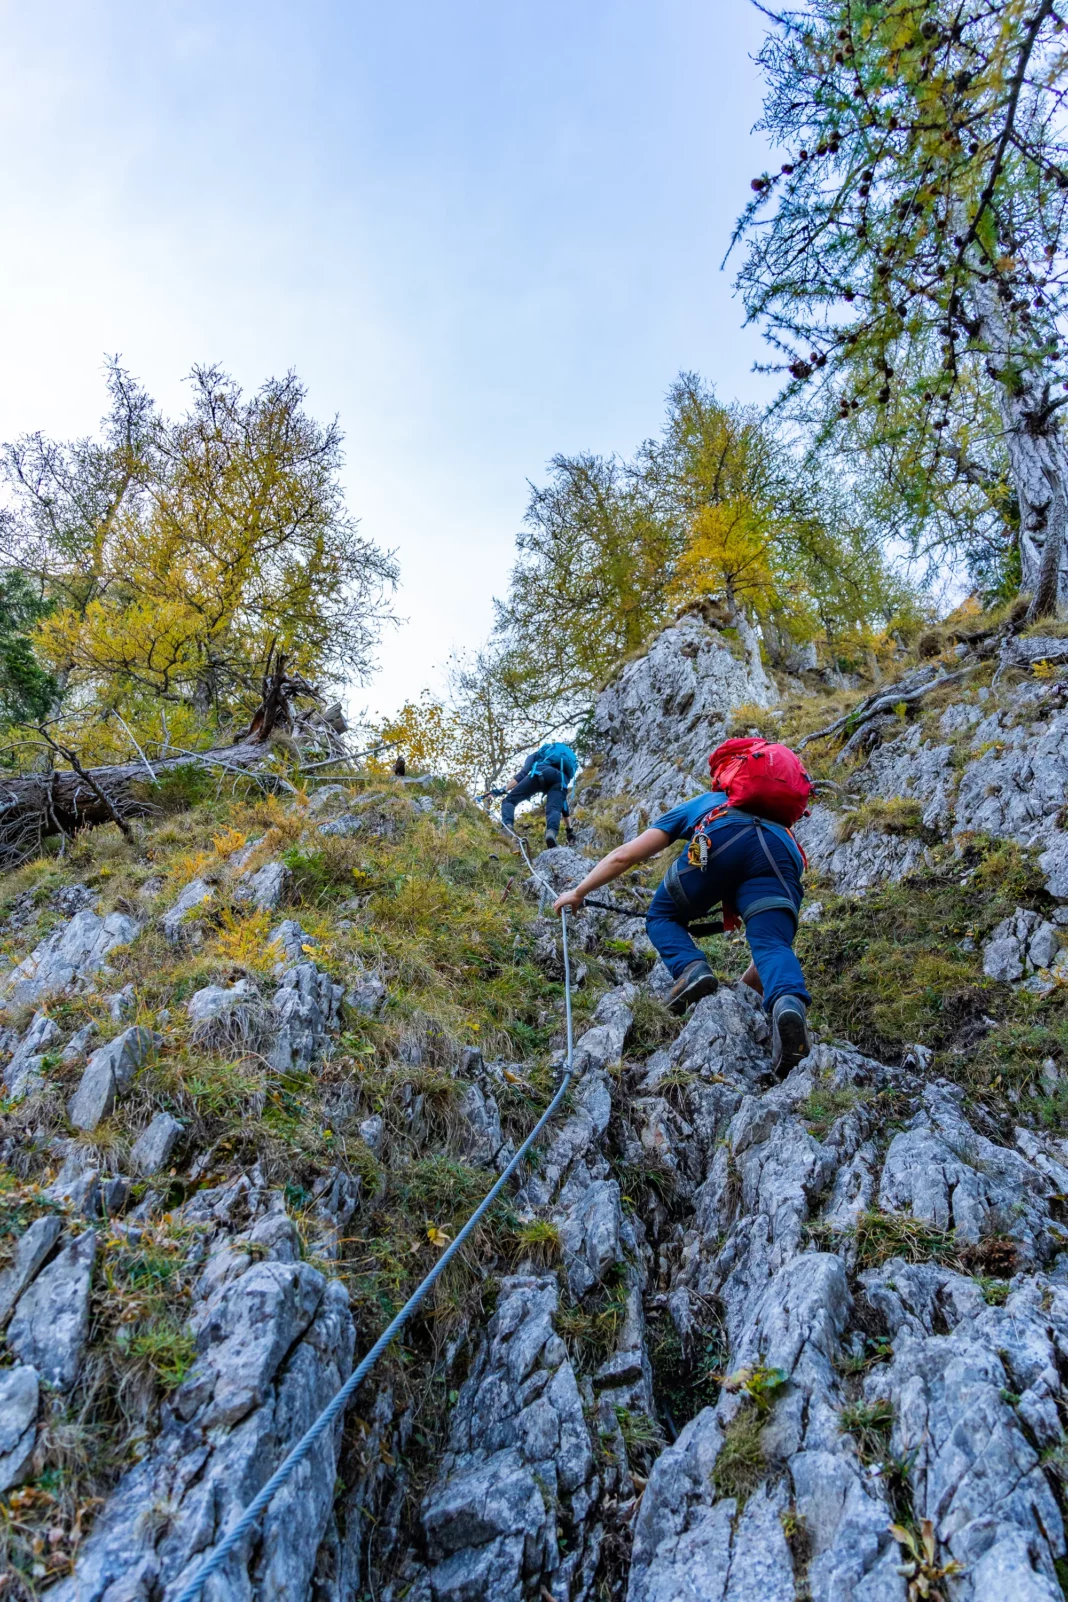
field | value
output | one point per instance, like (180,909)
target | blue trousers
(742,872)
(550,783)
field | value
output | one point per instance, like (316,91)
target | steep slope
(724,1335)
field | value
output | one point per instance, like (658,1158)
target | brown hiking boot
(695,981)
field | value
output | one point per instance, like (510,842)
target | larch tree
(178,553)
(907,261)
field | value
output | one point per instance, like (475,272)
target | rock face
(519,1477)
(266,889)
(656,723)
(23,1072)
(306,1008)
(733,1330)
(19,1396)
(51,1318)
(274,1342)
(68,957)
(179,921)
(109,1073)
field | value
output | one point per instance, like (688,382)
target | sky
(480,233)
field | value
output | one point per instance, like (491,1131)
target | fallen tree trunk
(37,805)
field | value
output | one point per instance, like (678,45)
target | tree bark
(1038,457)
(42,804)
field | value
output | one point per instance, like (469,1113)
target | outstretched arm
(646,845)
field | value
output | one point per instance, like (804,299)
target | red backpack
(767,780)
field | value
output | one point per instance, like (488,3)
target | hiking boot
(790,1039)
(550,842)
(696,980)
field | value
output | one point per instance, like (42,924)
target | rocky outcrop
(69,957)
(656,723)
(274,1342)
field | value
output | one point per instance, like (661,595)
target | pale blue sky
(481,233)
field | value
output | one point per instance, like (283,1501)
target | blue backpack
(557,755)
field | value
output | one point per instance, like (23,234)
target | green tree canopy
(907,261)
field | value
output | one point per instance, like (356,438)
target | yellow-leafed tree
(179,551)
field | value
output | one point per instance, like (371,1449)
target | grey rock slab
(153,1147)
(602,1044)
(244,1336)
(229,1017)
(480,1126)
(19,1398)
(347,824)
(589,1221)
(974,1471)
(51,1318)
(367,993)
(330,795)
(941,1170)
(1022,944)
(206,1477)
(78,1044)
(122,1003)
(23,1072)
(724,1037)
(660,717)
(306,1006)
(180,915)
(519,1468)
(291,943)
(866,859)
(266,889)
(108,1074)
(68,957)
(31,1250)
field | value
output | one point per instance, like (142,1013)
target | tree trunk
(1038,457)
(42,804)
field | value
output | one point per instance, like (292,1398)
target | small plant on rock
(920,1566)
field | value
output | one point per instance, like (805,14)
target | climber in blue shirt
(548,771)
(754,868)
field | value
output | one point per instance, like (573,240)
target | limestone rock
(291,943)
(68,957)
(265,889)
(178,921)
(656,723)
(19,1394)
(153,1147)
(31,1250)
(867,858)
(306,1011)
(347,824)
(122,1003)
(275,1345)
(1020,945)
(367,993)
(508,1509)
(480,1122)
(109,1073)
(229,1016)
(51,1318)
(23,1072)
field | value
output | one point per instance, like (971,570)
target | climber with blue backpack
(742,855)
(548,771)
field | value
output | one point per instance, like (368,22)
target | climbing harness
(247,1522)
